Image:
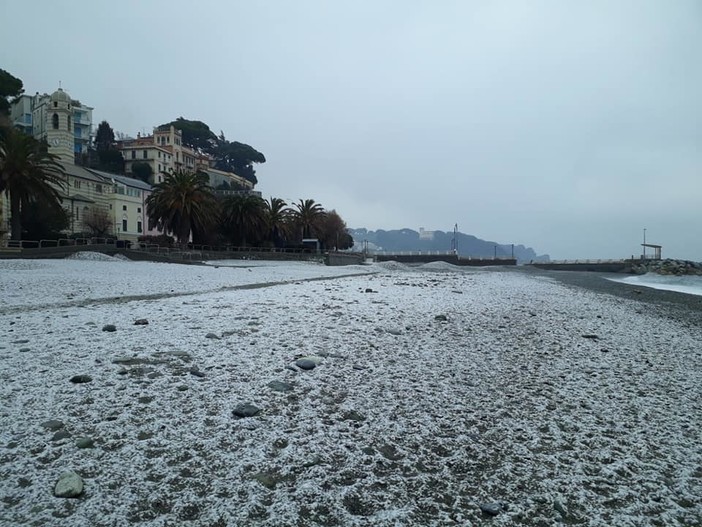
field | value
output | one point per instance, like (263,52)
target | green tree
(182,203)
(104,137)
(238,158)
(333,233)
(42,222)
(109,157)
(244,218)
(307,215)
(277,216)
(196,134)
(28,173)
(10,88)
(142,171)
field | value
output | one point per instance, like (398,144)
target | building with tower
(65,123)
(52,121)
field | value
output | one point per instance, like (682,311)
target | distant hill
(468,245)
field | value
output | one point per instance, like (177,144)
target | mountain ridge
(467,244)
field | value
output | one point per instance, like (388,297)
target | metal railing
(61,242)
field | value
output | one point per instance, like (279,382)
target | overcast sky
(567,126)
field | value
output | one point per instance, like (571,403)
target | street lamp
(644,244)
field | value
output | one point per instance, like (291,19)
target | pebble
(212,336)
(280,386)
(441,318)
(493,509)
(85,442)
(109,327)
(305,364)
(246,410)
(69,485)
(61,434)
(196,372)
(53,424)
(141,322)
(81,379)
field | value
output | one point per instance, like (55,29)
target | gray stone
(305,364)
(182,388)
(441,318)
(69,485)
(358,367)
(24,350)
(61,434)
(246,410)
(196,372)
(212,336)
(353,415)
(85,442)
(394,331)
(267,479)
(492,509)
(109,327)
(21,341)
(141,322)
(280,386)
(53,425)
(81,379)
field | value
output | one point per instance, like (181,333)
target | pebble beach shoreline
(437,396)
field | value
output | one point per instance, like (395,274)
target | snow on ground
(559,404)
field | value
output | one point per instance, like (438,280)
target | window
(133,154)
(145,153)
(69,122)
(124,225)
(55,104)
(159,153)
(55,121)
(124,207)
(110,206)
(139,229)
(76,183)
(98,188)
(139,210)
(159,167)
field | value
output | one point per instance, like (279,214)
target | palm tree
(277,216)
(244,216)
(307,216)
(28,173)
(182,203)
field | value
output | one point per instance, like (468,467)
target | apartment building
(164,151)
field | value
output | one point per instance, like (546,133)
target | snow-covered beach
(437,390)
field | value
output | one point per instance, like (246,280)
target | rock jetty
(668,267)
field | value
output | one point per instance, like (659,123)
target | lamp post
(644,244)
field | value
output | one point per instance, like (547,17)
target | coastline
(679,305)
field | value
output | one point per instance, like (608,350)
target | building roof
(81,172)
(124,180)
(60,95)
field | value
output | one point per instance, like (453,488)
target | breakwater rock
(668,267)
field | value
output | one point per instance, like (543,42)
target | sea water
(690,284)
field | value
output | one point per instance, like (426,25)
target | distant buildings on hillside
(93,198)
